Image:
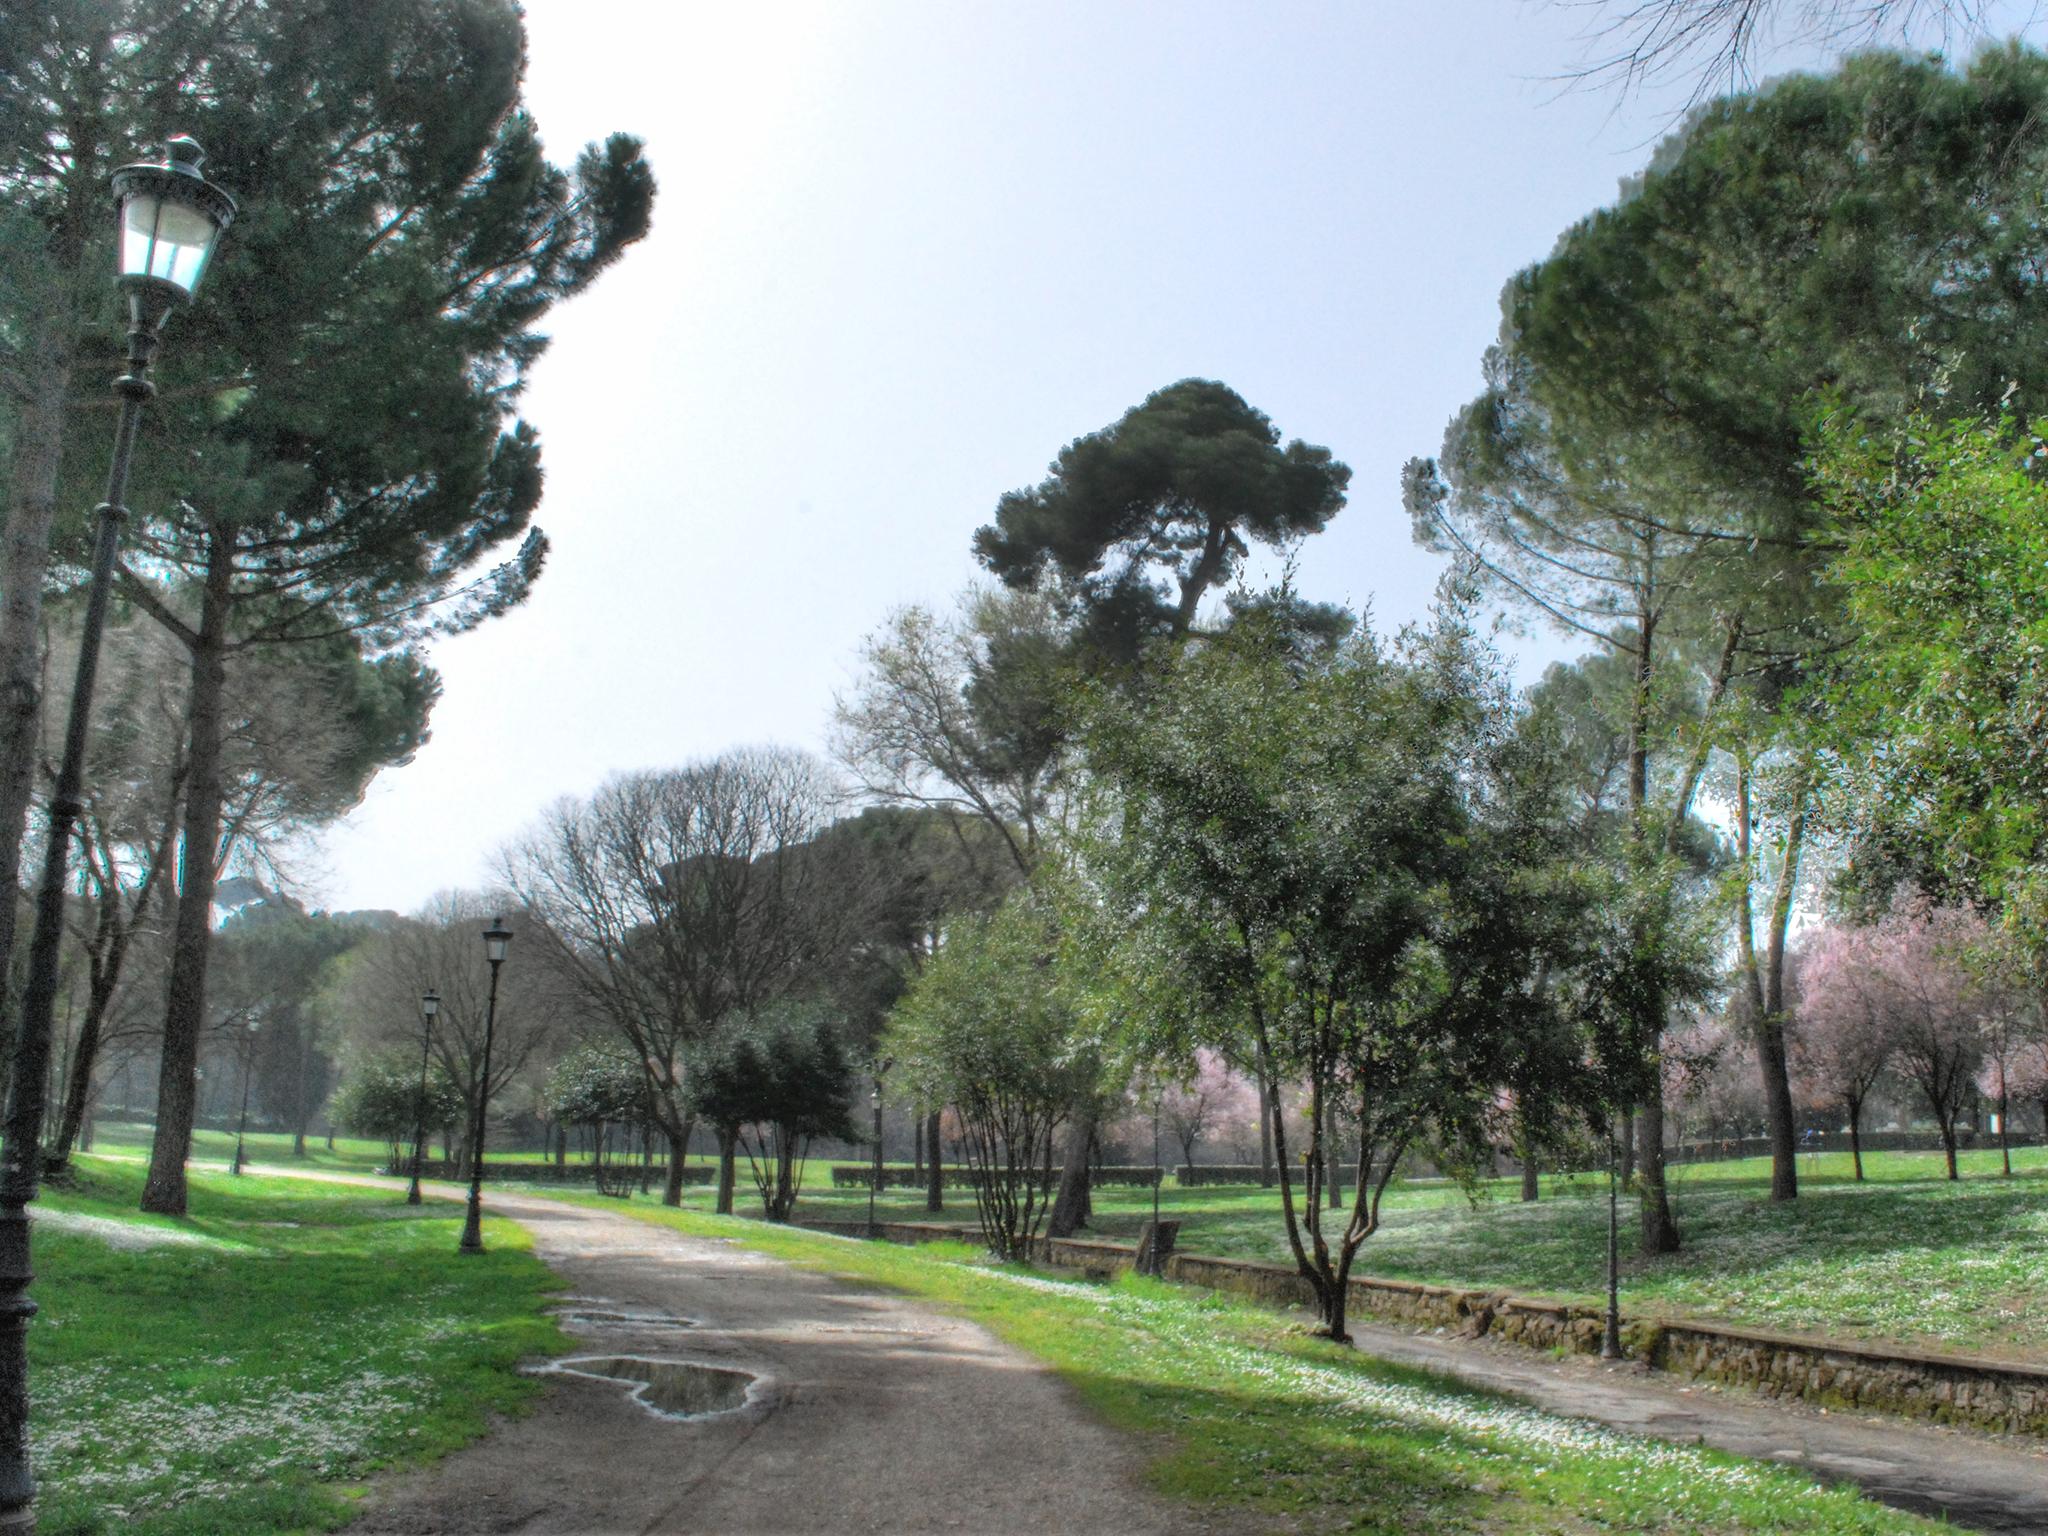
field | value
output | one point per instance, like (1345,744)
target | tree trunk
(1948,1147)
(1856,1138)
(1070,1208)
(1766,977)
(678,1150)
(302,1109)
(1265,1144)
(561,1141)
(2004,1137)
(37,439)
(728,1171)
(1332,1160)
(78,1087)
(1659,1229)
(192,935)
(935,1182)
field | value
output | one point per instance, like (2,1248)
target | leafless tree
(1718,45)
(935,721)
(378,998)
(672,901)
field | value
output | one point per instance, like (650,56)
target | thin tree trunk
(728,1171)
(1532,1188)
(192,935)
(935,1181)
(1856,1138)
(1659,1229)
(1764,980)
(678,1150)
(1332,1160)
(302,1107)
(78,1085)
(37,437)
(1265,1143)
(1948,1148)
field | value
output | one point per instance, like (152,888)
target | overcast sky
(902,253)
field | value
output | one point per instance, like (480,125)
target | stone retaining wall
(1955,1389)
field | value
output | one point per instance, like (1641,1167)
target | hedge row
(1240,1173)
(559,1173)
(955,1176)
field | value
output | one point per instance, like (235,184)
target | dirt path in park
(876,1412)
(869,1413)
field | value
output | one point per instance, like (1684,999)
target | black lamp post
(430,1004)
(875,1183)
(242,1124)
(169,219)
(497,938)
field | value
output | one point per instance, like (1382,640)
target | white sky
(902,253)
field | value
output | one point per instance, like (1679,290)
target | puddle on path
(668,1389)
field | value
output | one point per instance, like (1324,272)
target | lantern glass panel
(164,238)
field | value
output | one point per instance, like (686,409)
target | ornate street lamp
(497,939)
(430,1004)
(169,221)
(242,1125)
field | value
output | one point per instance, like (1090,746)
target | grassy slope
(288,1339)
(1907,1257)
(1247,1411)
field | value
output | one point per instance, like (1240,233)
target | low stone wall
(1951,1389)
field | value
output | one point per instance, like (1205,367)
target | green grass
(1247,1411)
(1905,1258)
(349,1154)
(120,1139)
(245,1369)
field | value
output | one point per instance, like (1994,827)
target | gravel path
(871,1413)
(1984,1482)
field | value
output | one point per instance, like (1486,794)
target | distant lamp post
(875,1183)
(497,939)
(1610,1332)
(170,218)
(430,1004)
(242,1124)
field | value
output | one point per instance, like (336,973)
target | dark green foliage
(1945,529)
(990,1029)
(1142,519)
(776,1078)
(592,1085)
(382,1099)
(1344,868)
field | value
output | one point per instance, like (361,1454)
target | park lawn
(1246,1409)
(244,1370)
(129,1140)
(1905,1258)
